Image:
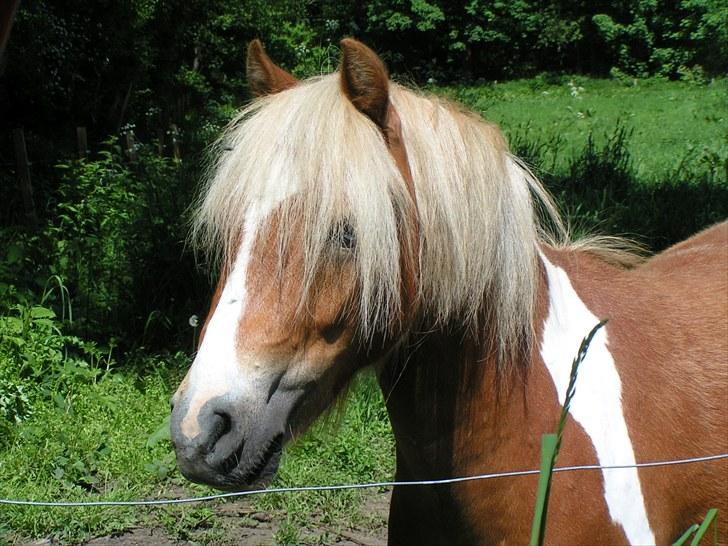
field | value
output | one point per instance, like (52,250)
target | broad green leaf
(162,433)
(38,312)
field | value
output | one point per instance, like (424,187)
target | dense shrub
(38,360)
(671,39)
(115,238)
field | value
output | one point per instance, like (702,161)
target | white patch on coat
(216,370)
(597,403)
(219,368)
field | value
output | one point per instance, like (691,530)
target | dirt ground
(239,523)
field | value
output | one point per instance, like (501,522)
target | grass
(697,532)
(647,160)
(82,447)
(671,123)
(96,445)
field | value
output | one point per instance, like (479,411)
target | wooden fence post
(26,190)
(82,142)
(175,141)
(8,8)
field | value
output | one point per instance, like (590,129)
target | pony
(358,223)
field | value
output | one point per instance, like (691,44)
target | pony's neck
(452,375)
(448,421)
(454,414)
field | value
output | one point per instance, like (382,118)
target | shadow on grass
(600,192)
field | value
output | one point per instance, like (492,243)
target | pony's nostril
(221,424)
(225,422)
(233,460)
(225,446)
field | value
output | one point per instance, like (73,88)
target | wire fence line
(370,485)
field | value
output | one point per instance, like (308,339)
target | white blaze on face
(217,368)
(597,404)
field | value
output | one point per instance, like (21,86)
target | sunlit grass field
(674,125)
(106,440)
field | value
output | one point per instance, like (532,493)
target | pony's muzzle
(209,448)
(231,443)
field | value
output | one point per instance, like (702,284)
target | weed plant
(113,232)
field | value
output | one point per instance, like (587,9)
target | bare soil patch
(238,522)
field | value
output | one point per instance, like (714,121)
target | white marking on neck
(597,403)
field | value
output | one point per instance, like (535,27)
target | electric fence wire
(370,485)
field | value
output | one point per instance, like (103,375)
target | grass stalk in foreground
(700,530)
(550,444)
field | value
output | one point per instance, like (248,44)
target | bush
(38,360)
(115,238)
(670,39)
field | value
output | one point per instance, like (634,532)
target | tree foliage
(103,63)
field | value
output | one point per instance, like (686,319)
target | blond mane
(312,152)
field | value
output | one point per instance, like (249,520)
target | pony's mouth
(256,472)
(230,452)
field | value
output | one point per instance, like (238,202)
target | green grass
(84,447)
(94,445)
(698,531)
(647,160)
(671,122)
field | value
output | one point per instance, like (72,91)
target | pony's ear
(264,76)
(364,80)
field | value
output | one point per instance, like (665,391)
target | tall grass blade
(64,293)
(686,535)
(709,517)
(551,443)
(548,456)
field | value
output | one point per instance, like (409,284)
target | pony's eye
(343,235)
(348,239)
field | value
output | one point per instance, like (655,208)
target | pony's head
(313,210)
(345,211)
